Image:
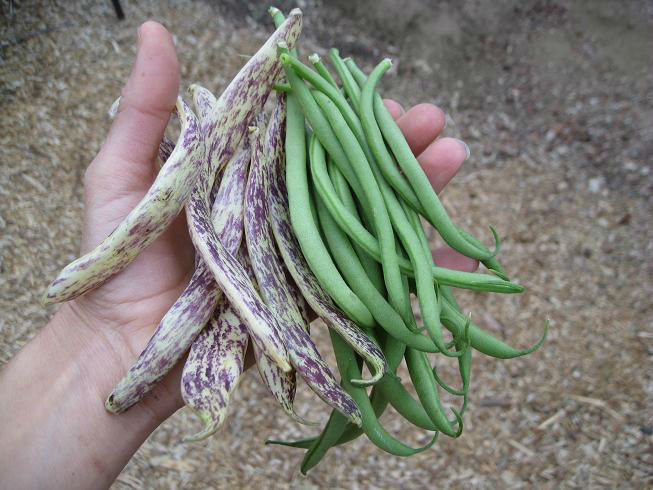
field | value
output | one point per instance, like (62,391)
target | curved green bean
(357,278)
(464,361)
(431,205)
(427,392)
(481,340)
(324,72)
(351,87)
(347,364)
(371,266)
(324,133)
(361,236)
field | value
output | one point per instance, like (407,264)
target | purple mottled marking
(165,149)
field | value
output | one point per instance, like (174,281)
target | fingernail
(468,152)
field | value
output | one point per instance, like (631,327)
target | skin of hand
(56,433)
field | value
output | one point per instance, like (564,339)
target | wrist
(53,408)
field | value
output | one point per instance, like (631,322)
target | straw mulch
(555,101)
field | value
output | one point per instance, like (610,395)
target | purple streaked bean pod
(233,112)
(145,223)
(282,385)
(315,296)
(223,130)
(215,364)
(269,269)
(190,313)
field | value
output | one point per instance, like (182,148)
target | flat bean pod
(214,367)
(144,224)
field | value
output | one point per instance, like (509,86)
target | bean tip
(314,58)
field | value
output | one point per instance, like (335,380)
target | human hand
(125,310)
(93,340)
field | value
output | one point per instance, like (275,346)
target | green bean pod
(431,205)
(324,72)
(380,219)
(481,340)
(347,365)
(368,242)
(356,276)
(372,267)
(324,132)
(426,387)
(351,87)
(303,222)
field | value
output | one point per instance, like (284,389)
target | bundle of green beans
(356,194)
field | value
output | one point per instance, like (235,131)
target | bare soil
(556,101)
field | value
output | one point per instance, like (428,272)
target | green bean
(431,205)
(355,125)
(278,18)
(282,87)
(386,161)
(380,219)
(329,436)
(323,85)
(356,276)
(347,365)
(388,389)
(427,392)
(464,361)
(324,133)
(321,68)
(300,444)
(483,341)
(420,260)
(367,241)
(492,263)
(304,225)
(390,171)
(370,265)
(351,87)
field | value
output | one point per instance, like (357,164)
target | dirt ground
(556,101)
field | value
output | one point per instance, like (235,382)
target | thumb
(125,167)
(126,161)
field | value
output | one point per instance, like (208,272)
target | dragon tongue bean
(145,223)
(188,315)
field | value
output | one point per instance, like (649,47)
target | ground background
(555,99)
